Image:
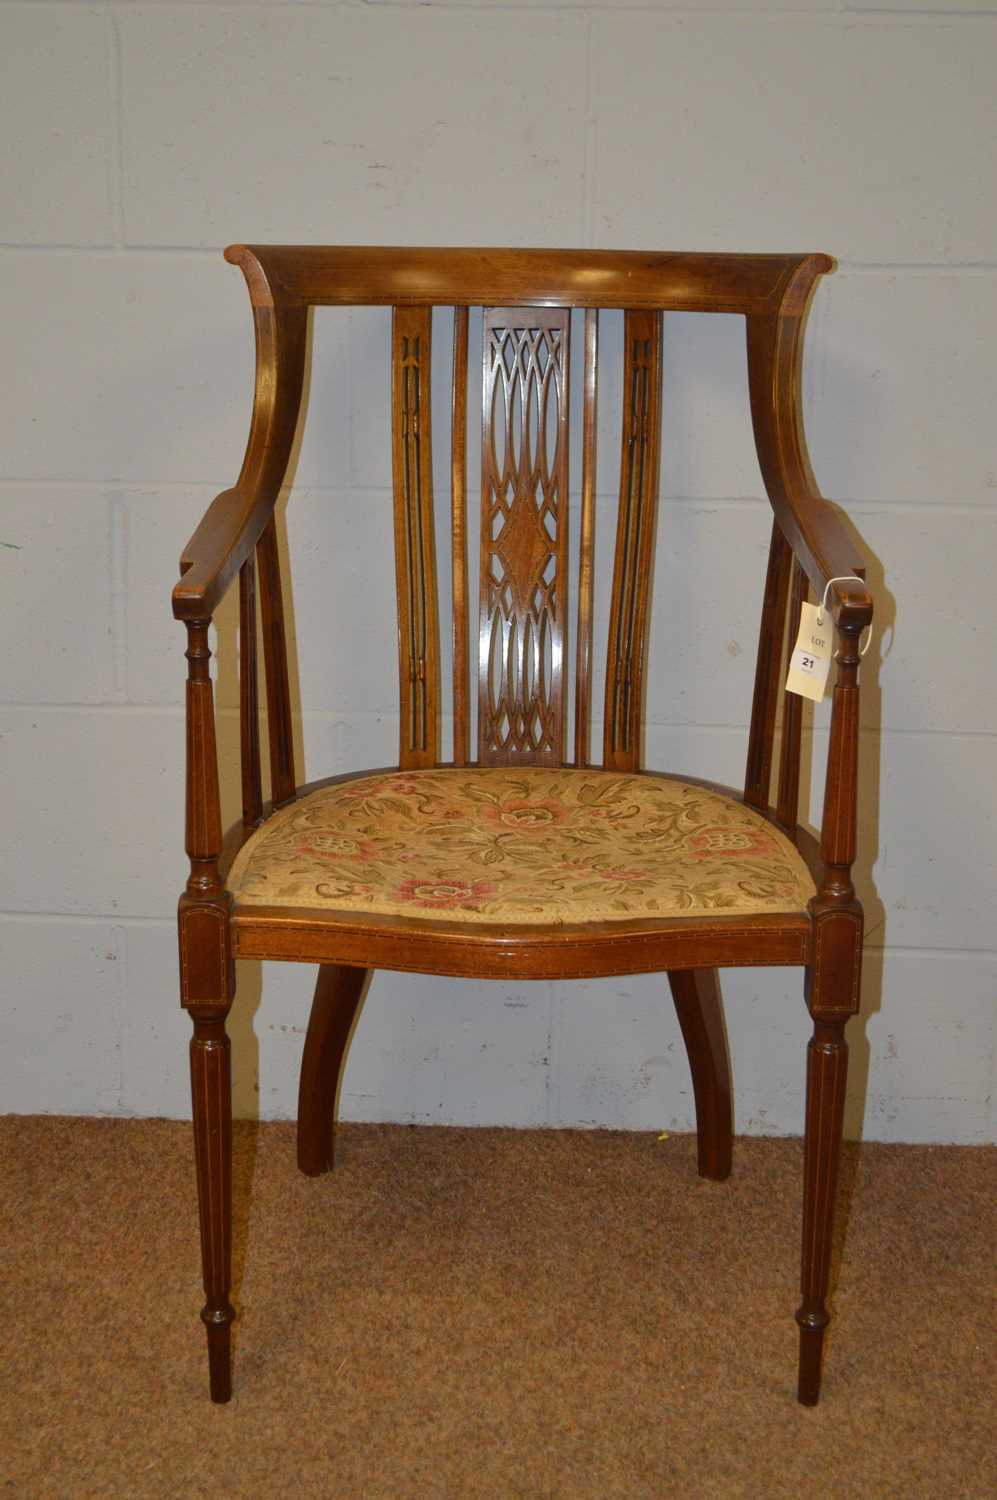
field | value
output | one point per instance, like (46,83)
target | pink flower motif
(576,867)
(401,785)
(440,810)
(616,874)
(730,843)
(523,816)
(337,846)
(444,895)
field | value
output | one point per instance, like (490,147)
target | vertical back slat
(792,712)
(524,535)
(415,560)
(629,611)
(281,733)
(586,547)
(249,699)
(458,541)
(758,773)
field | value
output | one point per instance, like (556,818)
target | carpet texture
(489,1313)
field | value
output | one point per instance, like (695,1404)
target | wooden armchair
(525,861)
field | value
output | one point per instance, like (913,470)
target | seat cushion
(521,846)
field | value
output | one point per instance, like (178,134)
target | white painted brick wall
(140,139)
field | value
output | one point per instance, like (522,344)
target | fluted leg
(827,1071)
(696,993)
(337,996)
(211,1089)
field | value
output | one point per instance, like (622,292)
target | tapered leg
(696,993)
(337,996)
(211,1089)
(827,1071)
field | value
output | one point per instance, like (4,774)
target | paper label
(810,662)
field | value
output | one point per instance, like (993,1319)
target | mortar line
(118,560)
(343,717)
(360,492)
(589,142)
(115,162)
(133,248)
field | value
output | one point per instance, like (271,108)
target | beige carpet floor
(488,1313)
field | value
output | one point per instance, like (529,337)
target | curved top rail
(323,275)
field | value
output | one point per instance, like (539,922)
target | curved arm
(812,527)
(236,519)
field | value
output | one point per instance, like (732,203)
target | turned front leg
(207,987)
(833,978)
(211,1093)
(827,1072)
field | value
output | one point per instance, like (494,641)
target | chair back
(525,648)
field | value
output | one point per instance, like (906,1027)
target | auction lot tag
(811,659)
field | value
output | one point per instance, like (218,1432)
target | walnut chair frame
(810,547)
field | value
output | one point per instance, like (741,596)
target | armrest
(225,538)
(811,525)
(825,549)
(235,520)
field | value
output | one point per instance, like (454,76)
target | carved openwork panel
(415,565)
(524,534)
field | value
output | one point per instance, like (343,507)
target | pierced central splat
(523,533)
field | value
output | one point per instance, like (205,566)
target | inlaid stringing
(639,462)
(414,540)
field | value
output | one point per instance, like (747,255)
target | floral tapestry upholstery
(521,846)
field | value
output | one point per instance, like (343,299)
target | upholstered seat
(521,846)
